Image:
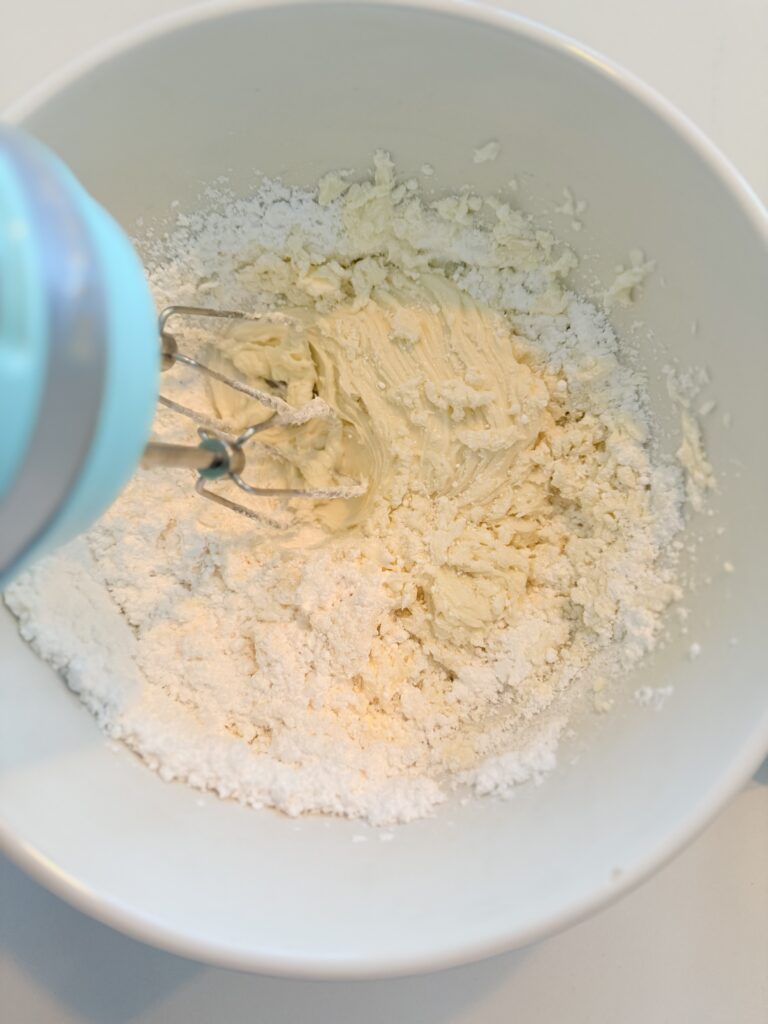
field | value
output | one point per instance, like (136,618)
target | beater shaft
(214,457)
(220,455)
(158,455)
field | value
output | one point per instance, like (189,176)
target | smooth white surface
(635,972)
(687,948)
(707,57)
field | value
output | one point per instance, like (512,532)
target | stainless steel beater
(221,455)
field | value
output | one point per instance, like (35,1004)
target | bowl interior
(296,90)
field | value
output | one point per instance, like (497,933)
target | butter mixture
(363,657)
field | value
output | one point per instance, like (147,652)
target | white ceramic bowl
(297,90)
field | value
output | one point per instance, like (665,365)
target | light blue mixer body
(79,355)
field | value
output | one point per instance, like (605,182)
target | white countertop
(688,947)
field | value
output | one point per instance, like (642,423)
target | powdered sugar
(381,650)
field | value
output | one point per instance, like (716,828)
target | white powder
(571,206)
(653,697)
(628,280)
(378,651)
(487,153)
(684,388)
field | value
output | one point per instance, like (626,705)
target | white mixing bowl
(295,90)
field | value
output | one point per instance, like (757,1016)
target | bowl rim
(747,758)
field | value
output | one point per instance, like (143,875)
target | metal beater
(219,455)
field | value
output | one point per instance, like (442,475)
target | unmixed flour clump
(359,657)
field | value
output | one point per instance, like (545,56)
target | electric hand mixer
(80,363)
